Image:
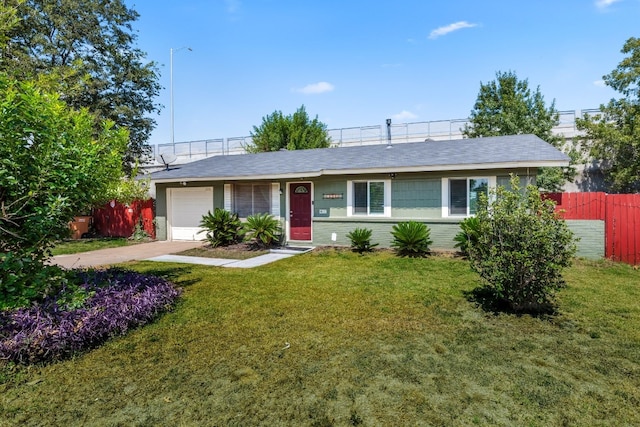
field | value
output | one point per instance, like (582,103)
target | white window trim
(445,193)
(387,198)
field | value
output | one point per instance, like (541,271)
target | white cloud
(404,115)
(315,88)
(451,28)
(599,83)
(603,4)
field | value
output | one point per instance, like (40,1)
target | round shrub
(521,249)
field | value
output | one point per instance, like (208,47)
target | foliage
(223,228)
(521,248)
(85,50)
(411,238)
(53,165)
(468,234)
(394,334)
(506,106)
(24,278)
(139,233)
(106,303)
(361,240)
(614,136)
(130,188)
(263,230)
(295,132)
(8,20)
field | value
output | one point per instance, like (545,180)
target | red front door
(300,212)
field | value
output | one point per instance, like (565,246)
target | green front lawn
(66,247)
(334,338)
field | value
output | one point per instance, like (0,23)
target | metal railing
(436,130)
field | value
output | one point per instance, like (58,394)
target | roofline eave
(370,171)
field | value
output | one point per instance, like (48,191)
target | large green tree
(614,135)
(507,106)
(52,164)
(293,132)
(85,50)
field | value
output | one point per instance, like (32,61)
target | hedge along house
(322,194)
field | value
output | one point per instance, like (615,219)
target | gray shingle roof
(461,154)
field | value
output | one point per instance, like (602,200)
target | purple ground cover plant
(105,304)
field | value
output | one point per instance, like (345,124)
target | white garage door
(187,205)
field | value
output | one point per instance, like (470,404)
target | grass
(86,245)
(335,338)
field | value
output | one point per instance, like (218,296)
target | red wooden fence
(118,220)
(620,212)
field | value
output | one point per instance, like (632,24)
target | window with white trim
(250,199)
(462,195)
(369,198)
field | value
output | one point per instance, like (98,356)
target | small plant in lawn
(467,235)
(223,228)
(521,248)
(263,230)
(361,240)
(411,239)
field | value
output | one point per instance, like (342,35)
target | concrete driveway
(110,256)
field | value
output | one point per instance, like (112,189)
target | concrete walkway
(110,256)
(161,251)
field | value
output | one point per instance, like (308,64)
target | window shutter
(227,197)
(275,199)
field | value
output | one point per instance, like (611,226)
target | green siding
(330,207)
(591,235)
(161,212)
(442,231)
(416,198)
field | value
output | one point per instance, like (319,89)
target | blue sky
(355,62)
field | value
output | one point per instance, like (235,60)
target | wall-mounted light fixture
(183,183)
(392,175)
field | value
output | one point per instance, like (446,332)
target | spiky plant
(263,230)
(411,239)
(361,240)
(468,234)
(223,228)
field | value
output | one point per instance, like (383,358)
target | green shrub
(467,235)
(222,227)
(263,230)
(361,240)
(521,249)
(25,278)
(411,239)
(139,233)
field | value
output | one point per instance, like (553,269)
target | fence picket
(620,212)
